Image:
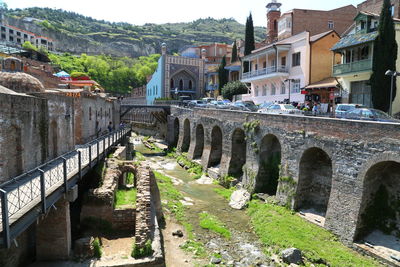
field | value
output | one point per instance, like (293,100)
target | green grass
(139,156)
(130,178)
(210,222)
(279,228)
(125,197)
(226,193)
(177,209)
(145,251)
(97,250)
(192,167)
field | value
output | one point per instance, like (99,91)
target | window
(265,65)
(18,40)
(18,34)
(3,36)
(296,59)
(172,83)
(11,39)
(283,88)
(392,10)
(11,31)
(273,89)
(90,113)
(3,29)
(265,89)
(296,86)
(331,24)
(181,85)
(283,61)
(25,36)
(256,67)
(190,85)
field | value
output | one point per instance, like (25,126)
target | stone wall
(92,117)
(124,219)
(23,134)
(351,149)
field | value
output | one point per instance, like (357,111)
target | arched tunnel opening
(238,156)
(315,181)
(198,149)
(379,217)
(186,136)
(269,168)
(216,147)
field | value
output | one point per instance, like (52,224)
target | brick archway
(216,147)
(186,136)
(198,149)
(238,153)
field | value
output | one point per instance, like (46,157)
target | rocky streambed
(243,247)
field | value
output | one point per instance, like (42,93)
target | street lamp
(289,80)
(392,74)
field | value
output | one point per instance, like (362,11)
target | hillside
(79,34)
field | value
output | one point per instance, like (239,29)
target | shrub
(145,251)
(97,248)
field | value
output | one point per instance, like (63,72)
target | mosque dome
(21,82)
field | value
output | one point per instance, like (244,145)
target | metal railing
(356,66)
(23,193)
(265,71)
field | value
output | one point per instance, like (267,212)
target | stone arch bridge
(338,169)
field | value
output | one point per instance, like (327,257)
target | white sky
(140,12)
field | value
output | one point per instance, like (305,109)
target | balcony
(265,73)
(348,68)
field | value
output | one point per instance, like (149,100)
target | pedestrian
(315,109)
(110,127)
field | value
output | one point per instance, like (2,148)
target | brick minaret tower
(273,14)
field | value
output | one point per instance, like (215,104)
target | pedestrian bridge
(335,170)
(26,197)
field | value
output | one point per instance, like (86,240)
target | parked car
(197,103)
(245,106)
(220,104)
(369,114)
(265,105)
(341,109)
(208,99)
(280,109)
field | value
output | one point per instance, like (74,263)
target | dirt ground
(174,255)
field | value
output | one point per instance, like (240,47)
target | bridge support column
(53,233)
(129,150)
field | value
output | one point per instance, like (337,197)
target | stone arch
(216,147)
(184,75)
(198,149)
(54,139)
(186,136)
(315,180)
(176,133)
(238,156)
(379,207)
(269,162)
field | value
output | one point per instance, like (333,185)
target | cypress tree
(249,44)
(385,56)
(222,74)
(234,57)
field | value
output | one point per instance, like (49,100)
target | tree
(249,44)
(222,74)
(233,88)
(234,57)
(385,56)
(29,46)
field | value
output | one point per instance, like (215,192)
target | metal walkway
(26,197)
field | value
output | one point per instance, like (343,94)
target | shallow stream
(243,249)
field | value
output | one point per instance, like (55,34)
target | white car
(280,109)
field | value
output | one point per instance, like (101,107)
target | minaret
(163,49)
(273,14)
